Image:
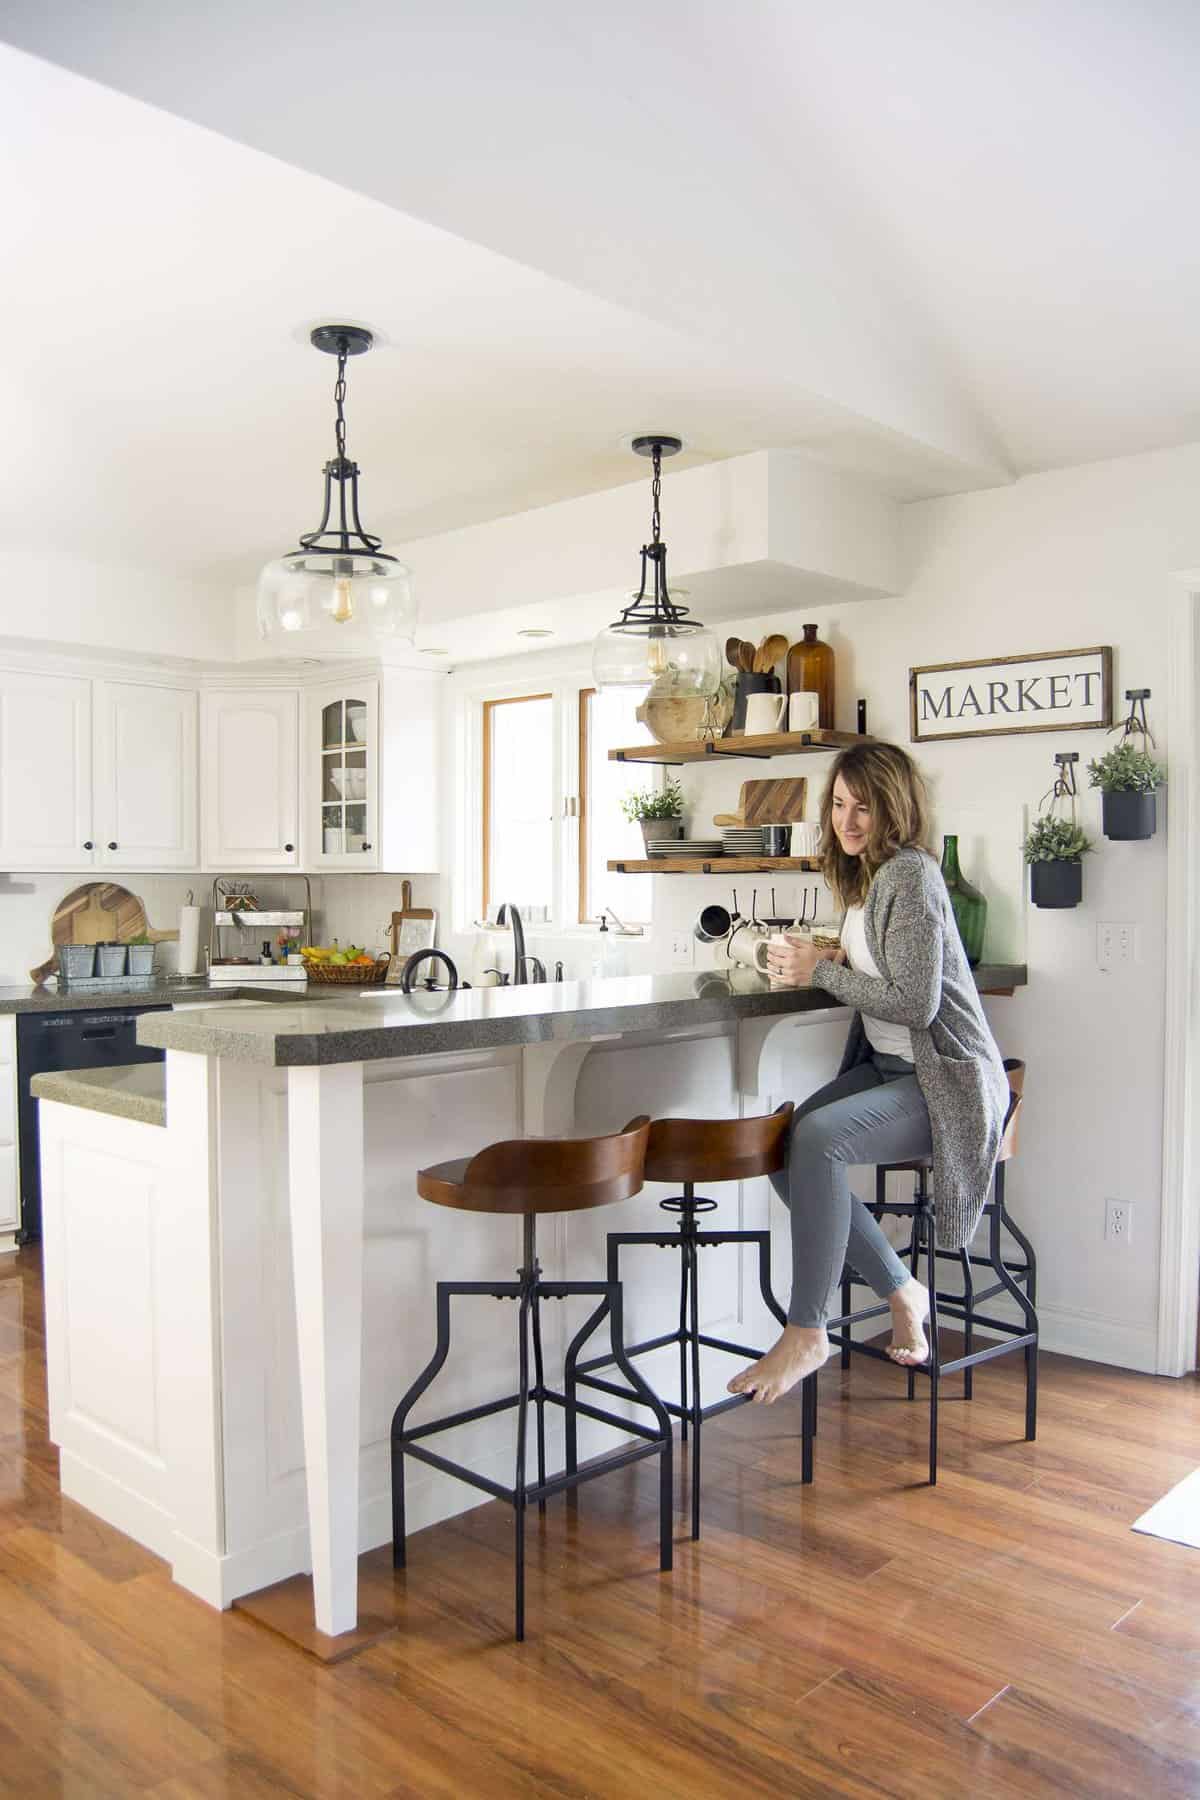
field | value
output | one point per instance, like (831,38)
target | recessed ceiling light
(433,652)
(536,631)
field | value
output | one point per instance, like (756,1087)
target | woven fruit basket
(349,974)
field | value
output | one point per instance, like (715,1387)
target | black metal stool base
(689,1241)
(529,1290)
(1018,1279)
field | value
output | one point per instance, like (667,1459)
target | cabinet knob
(89,845)
(366,846)
(112,846)
(289,846)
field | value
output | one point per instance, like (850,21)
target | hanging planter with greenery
(1129,776)
(1056,844)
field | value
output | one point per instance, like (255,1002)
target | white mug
(765,713)
(806,837)
(804,709)
(749,948)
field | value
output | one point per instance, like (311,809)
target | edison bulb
(657,653)
(342,610)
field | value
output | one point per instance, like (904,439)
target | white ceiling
(938,244)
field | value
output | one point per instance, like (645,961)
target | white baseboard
(117,1505)
(1096,1338)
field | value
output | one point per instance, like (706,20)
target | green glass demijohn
(970,907)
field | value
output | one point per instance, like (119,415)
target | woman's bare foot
(910,1313)
(800,1351)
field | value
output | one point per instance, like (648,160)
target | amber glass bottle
(810,666)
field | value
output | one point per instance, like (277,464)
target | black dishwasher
(48,1042)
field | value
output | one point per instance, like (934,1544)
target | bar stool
(1013,1276)
(530,1176)
(691,1151)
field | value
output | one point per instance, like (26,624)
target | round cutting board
(99,912)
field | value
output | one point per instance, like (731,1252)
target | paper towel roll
(189,940)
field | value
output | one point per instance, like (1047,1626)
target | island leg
(325,1194)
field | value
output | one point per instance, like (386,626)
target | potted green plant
(658,810)
(1128,777)
(1053,849)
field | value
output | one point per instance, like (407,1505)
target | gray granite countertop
(160,993)
(134,1091)
(386,1023)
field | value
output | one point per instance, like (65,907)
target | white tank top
(888,1039)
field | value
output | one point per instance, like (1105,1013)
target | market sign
(1051,690)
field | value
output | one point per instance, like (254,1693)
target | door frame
(1179,1228)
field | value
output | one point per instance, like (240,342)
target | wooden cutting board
(413,928)
(778,802)
(99,912)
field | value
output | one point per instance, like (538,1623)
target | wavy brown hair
(884,778)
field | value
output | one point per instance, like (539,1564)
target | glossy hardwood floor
(1003,1635)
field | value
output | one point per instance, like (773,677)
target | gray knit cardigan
(925,983)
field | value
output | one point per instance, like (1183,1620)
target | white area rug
(1176,1516)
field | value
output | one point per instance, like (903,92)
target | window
(606,721)
(518,802)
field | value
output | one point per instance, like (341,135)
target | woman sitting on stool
(921,1073)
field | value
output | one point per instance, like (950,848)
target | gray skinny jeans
(874,1113)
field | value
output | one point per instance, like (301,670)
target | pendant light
(655,646)
(339,579)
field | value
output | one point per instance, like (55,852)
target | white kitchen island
(240,1276)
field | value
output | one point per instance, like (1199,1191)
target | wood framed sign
(1049,690)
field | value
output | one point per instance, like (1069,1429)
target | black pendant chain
(656,495)
(339,400)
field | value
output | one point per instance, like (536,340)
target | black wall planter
(1056,883)
(1129,815)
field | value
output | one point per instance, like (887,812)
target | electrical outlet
(1117,946)
(683,949)
(1118,1221)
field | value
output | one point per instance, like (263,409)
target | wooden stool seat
(531,1176)
(542,1175)
(691,1151)
(718,1149)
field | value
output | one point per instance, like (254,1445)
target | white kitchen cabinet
(144,793)
(250,779)
(45,772)
(341,775)
(10,1187)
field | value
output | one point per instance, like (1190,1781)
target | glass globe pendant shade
(363,596)
(675,659)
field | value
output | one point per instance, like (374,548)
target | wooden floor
(1004,1634)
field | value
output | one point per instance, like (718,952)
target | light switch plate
(683,949)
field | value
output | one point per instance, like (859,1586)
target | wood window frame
(489,707)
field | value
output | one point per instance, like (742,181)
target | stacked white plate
(743,841)
(686,847)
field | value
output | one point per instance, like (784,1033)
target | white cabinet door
(145,776)
(250,773)
(45,772)
(341,776)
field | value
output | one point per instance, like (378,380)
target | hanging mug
(765,713)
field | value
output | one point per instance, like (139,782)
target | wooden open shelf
(775,743)
(716,865)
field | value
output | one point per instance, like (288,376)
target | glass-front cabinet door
(342,776)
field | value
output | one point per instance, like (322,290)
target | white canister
(804,709)
(765,713)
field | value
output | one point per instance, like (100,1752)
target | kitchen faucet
(509,914)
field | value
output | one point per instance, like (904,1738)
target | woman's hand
(791,961)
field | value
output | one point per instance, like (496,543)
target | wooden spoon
(775,649)
(732,651)
(746,657)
